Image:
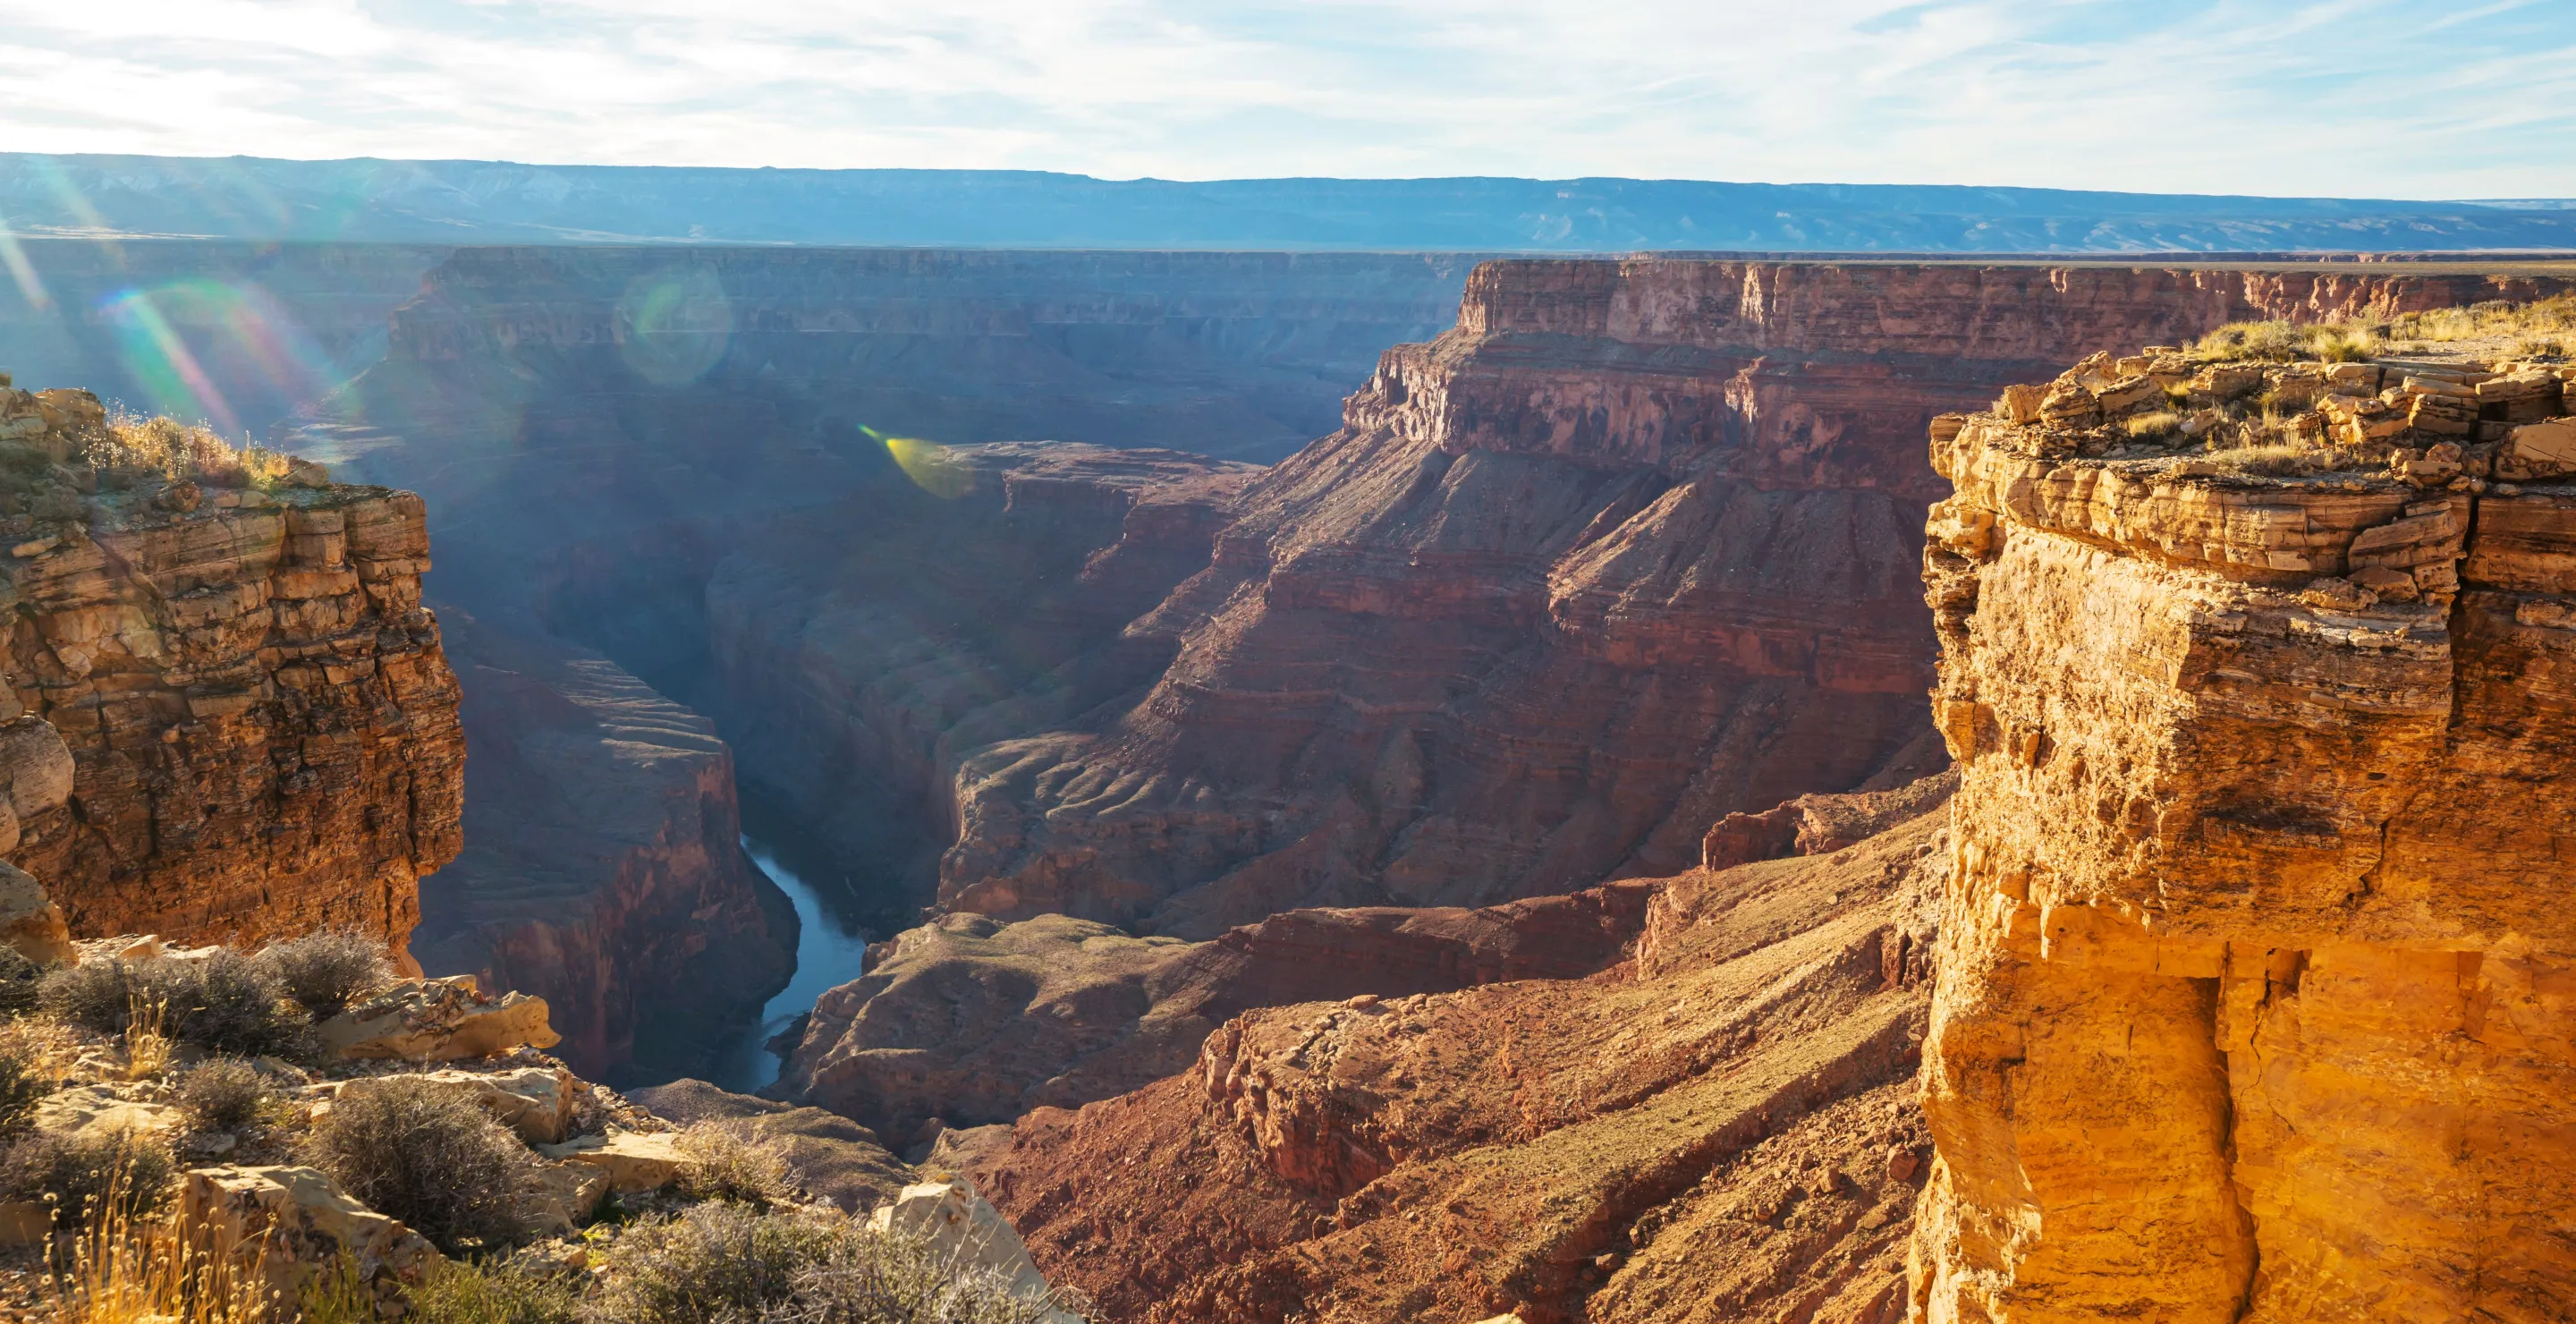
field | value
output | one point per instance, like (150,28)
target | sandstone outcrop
(2255,987)
(436,1020)
(973,1022)
(302,1224)
(1719,1130)
(261,724)
(1627,550)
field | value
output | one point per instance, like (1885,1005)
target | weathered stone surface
(304,1225)
(2255,984)
(633,1161)
(972,1021)
(1701,1135)
(261,726)
(36,771)
(832,1157)
(536,1102)
(963,1230)
(563,1195)
(437,1020)
(87,1109)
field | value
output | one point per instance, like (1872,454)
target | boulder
(536,1102)
(633,1161)
(304,1223)
(437,1020)
(964,1230)
(36,772)
(563,1196)
(85,1109)
(29,919)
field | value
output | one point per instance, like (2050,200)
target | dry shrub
(23,1081)
(224,1003)
(84,1175)
(2276,459)
(222,1094)
(147,1047)
(2492,319)
(425,1152)
(20,978)
(730,1262)
(325,971)
(48,1047)
(724,1162)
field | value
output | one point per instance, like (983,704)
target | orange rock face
(262,724)
(2258,976)
(1628,550)
(1718,1129)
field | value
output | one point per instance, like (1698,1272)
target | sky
(2378,98)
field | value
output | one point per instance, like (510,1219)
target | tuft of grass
(136,1266)
(425,1152)
(2490,320)
(2158,426)
(222,1094)
(327,970)
(175,450)
(723,1162)
(506,1291)
(147,1048)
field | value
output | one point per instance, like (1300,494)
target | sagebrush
(325,971)
(223,1003)
(425,1152)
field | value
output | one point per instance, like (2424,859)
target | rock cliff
(2258,972)
(262,724)
(1629,549)
(651,931)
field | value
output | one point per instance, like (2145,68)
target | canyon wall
(2258,974)
(1630,548)
(262,722)
(613,886)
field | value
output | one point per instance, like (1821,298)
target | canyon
(1495,860)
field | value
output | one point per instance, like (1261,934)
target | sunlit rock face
(2258,975)
(1630,548)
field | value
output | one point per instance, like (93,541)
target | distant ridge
(478,202)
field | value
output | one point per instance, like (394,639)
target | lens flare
(30,287)
(929,465)
(672,325)
(180,341)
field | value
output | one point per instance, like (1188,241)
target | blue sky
(2383,98)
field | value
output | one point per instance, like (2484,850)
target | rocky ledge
(262,725)
(2257,974)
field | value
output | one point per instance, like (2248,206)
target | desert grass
(147,1044)
(176,450)
(131,1267)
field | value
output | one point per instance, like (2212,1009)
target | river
(831,948)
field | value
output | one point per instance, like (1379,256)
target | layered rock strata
(1627,550)
(1718,1129)
(972,1022)
(2256,983)
(262,723)
(602,867)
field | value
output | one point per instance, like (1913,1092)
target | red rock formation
(1721,1130)
(975,1022)
(1624,552)
(262,723)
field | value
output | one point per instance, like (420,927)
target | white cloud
(2402,98)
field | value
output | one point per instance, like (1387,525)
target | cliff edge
(262,724)
(2257,978)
